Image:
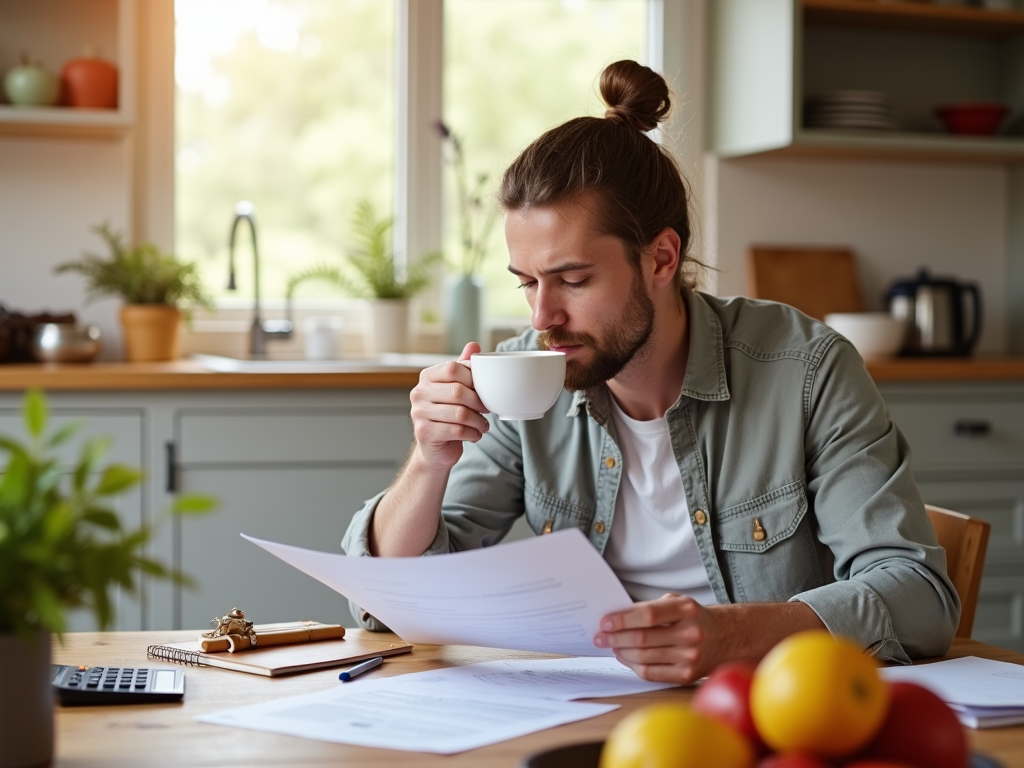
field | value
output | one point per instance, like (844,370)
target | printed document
(983,693)
(446,710)
(547,593)
(377,713)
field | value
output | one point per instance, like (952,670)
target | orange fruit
(674,736)
(818,694)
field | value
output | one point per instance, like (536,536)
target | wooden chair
(965,540)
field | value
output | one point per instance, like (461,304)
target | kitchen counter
(188,375)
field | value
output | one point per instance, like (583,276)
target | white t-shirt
(651,546)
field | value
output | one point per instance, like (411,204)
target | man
(731,459)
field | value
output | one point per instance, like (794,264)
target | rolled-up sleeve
(892,593)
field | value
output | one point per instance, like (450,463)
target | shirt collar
(705,368)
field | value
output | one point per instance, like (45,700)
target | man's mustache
(549,339)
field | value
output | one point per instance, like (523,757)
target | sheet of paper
(560,679)
(547,593)
(388,714)
(970,681)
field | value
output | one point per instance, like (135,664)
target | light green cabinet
(292,466)
(968,455)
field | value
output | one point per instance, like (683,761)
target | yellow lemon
(815,693)
(674,736)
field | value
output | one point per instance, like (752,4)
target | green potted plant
(464,288)
(157,288)
(61,547)
(372,272)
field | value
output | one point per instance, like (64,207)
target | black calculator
(117,685)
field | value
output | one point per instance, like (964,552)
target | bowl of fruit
(813,702)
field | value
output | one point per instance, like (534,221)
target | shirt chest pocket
(546,512)
(767,546)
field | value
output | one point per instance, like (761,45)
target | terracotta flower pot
(151,332)
(26,701)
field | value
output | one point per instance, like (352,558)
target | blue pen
(358,669)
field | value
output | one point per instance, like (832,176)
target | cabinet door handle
(172,468)
(969,428)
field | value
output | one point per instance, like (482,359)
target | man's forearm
(405,521)
(747,631)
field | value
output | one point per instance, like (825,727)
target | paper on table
(547,593)
(559,679)
(969,681)
(385,713)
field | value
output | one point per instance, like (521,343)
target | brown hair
(636,184)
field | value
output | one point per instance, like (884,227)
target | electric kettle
(943,315)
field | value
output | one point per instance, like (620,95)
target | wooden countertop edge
(946,369)
(187,375)
(179,375)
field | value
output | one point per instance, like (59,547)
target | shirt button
(700,517)
(599,526)
(609,462)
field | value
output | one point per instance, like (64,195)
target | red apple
(792,761)
(725,696)
(919,731)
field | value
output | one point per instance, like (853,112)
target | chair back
(965,540)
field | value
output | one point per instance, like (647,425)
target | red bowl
(973,118)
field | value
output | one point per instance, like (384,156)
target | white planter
(387,326)
(26,701)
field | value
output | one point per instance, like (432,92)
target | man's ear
(664,250)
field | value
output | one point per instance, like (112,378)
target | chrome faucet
(261,330)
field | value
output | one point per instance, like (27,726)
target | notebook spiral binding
(175,655)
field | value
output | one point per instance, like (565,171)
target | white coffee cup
(518,385)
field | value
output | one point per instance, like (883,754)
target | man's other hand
(446,411)
(675,639)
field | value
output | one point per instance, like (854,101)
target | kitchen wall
(52,192)
(897,217)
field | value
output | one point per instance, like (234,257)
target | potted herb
(372,272)
(157,288)
(463,288)
(61,547)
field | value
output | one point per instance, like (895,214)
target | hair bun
(636,95)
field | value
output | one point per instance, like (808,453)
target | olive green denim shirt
(778,422)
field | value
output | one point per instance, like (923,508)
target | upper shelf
(62,122)
(914,15)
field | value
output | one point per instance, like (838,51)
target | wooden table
(166,735)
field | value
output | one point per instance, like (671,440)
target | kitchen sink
(393,360)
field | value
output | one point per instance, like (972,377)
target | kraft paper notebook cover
(283,659)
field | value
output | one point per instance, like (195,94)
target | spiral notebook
(284,659)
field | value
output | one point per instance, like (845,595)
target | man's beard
(624,337)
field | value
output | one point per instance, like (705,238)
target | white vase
(387,326)
(463,304)
(26,701)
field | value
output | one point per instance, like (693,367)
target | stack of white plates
(849,109)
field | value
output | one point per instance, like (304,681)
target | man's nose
(547,310)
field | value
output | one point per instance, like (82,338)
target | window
(291,104)
(512,70)
(288,104)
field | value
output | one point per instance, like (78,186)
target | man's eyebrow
(569,266)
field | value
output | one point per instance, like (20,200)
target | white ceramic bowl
(873,334)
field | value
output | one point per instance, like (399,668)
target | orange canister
(90,82)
